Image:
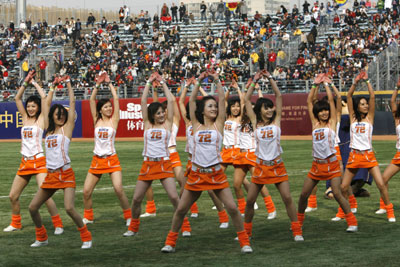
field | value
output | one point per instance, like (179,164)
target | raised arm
(371,103)
(350,97)
(247,99)
(338,101)
(310,102)
(192,100)
(143,101)
(332,106)
(92,100)
(70,124)
(114,92)
(278,98)
(181,103)
(221,101)
(20,93)
(393,105)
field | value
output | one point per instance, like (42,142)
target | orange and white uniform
(325,165)
(247,147)
(396,158)
(206,172)
(60,173)
(269,168)
(230,142)
(156,164)
(105,159)
(33,160)
(173,153)
(189,148)
(337,142)
(361,154)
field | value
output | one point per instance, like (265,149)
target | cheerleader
(394,166)
(325,165)
(245,160)
(266,119)
(156,164)
(105,159)
(223,216)
(60,124)
(206,172)
(33,160)
(362,112)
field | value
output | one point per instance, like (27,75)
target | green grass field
(326,243)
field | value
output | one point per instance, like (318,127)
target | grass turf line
(326,243)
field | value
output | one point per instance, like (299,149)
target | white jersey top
(323,143)
(268,142)
(337,139)
(246,138)
(398,136)
(57,147)
(189,140)
(174,133)
(104,138)
(207,147)
(361,135)
(156,143)
(231,133)
(31,140)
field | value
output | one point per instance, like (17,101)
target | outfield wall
(295,119)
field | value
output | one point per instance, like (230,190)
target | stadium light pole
(20,11)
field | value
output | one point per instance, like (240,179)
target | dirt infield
(140,139)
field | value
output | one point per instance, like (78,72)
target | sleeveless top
(268,142)
(156,143)
(231,133)
(31,140)
(398,136)
(337,139)
(207,146)
(104,139)
(57,147)
(174,133)
(361,135)
(246,138)
(323,142)
(189,139)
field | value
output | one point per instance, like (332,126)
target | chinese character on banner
(6,118)
(139,125)
(18,119)
(130,125)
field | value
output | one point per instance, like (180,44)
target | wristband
(314,86)
(26,84)
(97,85)
(270,77)
(199,83)
(148,83)
(161,82)
(51,89)
(367,81)
(33,83)
(253,84)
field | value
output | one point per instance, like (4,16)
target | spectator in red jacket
(42,66)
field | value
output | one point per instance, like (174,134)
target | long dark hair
(35,99)
(61,111)
(200,108)
(397,114)
(356,103)
(232,101)
(266,103)
(152,110)
(245,121)
(187,107)
(99,105)
(319,106)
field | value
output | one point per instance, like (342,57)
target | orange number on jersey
(51,143)
(28,134)
(205,138)
(156,135)
(360,129)
(267,133)
(319,136)
(103,135)
(228,127)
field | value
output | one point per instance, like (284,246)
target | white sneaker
(168,249)
(86,221)
(309,209)
(354,210)
(247,249)
(336,219)
(392,219)
(298,238)
(271,215)
(38,243)
(128,221)
(380,211)
(352,228)
(224,225)
(186,234)
(194,215)
(146,214)
(86,245)
(129,233)
(256,208)
(10,228)
(58,230)
(214,208)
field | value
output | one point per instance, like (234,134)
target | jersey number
(28,134)
(228,127)
(360,129)
(267,133)
(51,143)
(103,135)
(205,138)
(319,136)
(156,135)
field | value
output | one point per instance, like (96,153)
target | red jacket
(42,64)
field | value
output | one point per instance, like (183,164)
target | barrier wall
(295,118)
